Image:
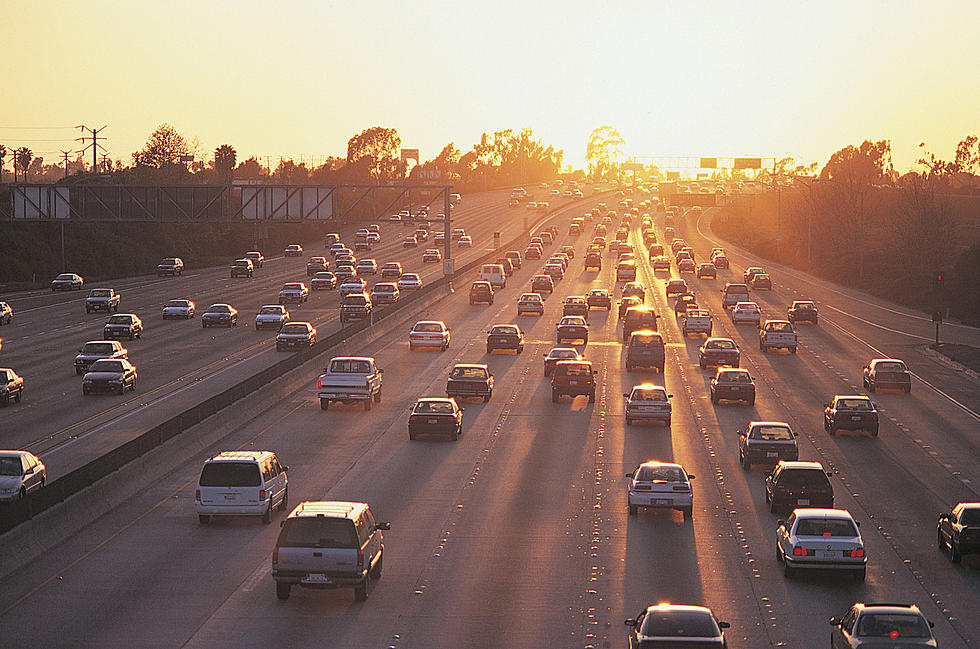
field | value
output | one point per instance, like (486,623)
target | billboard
(748,163)
(40,202)
(290,203)
(709,163)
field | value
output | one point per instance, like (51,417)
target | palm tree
(3,154)
(225,158)
(22,159)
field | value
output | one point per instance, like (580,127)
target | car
(720,262)
(411,241)
(569,251)
(457,234)
(258,259)
(363,244)
(220,315)
(761,281)
(391,270)
(316,265)
(336,248)
(385,293)
(271,316)
(802,311)
(530,303)
(850,412)
(355,306)
(676,286)
(439,237)
(718,352)
(684,303)
(436,416)
(109,375)
(242,268)
(751,272)
(481,292)
(733,294)
(465,241)
(798,484)
(11,387)
(766,442)
(515,258)
(367,267)
(732,384)
(887,374)
(67,282)
(294,292)
(638,317)
(98,349)
(173,266)
(328,544)
(572,378)
(295,335)
(685,266)
(6,313)
(373,237)
(532,252)
(505,336)
(344,272)
(21,473)
(626,303)
(645,348)
(323,281)
(746,313)
(431,255)
(648,401)
(409,282)
(707,270)
(554,271)
(429,333)
(572,327)
(879,626)
(575,305)
(660,485)
(330,239)
(470,380)
(123,325)
(598,298)
(660,263)
(293,250)
(559,354)
(958,530)
(821,539)
(634,288)
(542,284)
(179,309)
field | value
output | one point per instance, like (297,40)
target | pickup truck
(95,350)
(170,266)
(348,379)
(802,311)
(102,299)
(776,334)
(696,321)
(356,306)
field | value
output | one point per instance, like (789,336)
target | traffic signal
(937,280)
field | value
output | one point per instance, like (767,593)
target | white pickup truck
(696,321)
(776,334)
(348,379)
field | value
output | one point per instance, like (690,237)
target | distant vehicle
(409,282)
(436,416)
(958,531)
(102,299)
(391,269)
(802,311)
(696,321)
(349,379)
(761,281)
(385,293)
(242,267)
(798,484)
(887,374)
(429,333)
(732,384)
(878,626)
(323,281)
(316,265)
(481,292)
(733,294)
(470,380)
(707,270)
(367,267)
(505,336)
(676,286)
(67,282)
(11,387)
(220,315)
(598,298)
(431,255)
(645,348)
(575,305)
(465,241)
(572,327)
(634,288)
(294,292)
(179,309)
(637,318)
(410,241)
(751,272)
(6,313)
(530,303)
(572,378)
(123,325)
(746,312)
(493,273)
(241,483)
(295,335)
(660,263)
(170,266)
(21,473)
(559,354)
(293,250)
(820,539)
(109,375)
(777,334)
(766,442)
(258,259)
(356,306)
(542,284)
(271,316)
(850,412)
(98,349)
(720,261)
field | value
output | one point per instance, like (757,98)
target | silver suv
(328,544)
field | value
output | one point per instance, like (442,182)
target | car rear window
(854,404)
(881,625)
(648,394)
(469,373)
(720,344)
(231,474)
(350,366)
(734,377)
(825,527)
(575,369)
(771,433)
(890,367)
(438,407)
(679,624)
(429,327)
(318,532)
(295,328)
(796,478)
(504,330)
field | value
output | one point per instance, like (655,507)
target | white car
(429,333)
(294,292)
(20,473)
(431,255)
(554,271)
(351,286)
(385,293)
(367,267)
(746,312)
(648,401)
(530,303)
(178,309)
(661,485)
(271,316)
(323,280)
(373,237)
(409,282)
(820,539)
(465,241)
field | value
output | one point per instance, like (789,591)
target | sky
(298,78)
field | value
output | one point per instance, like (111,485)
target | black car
(732,384)
(798,484)
(542,284)
(850,412)
(575,305)
(470,380)
(109,375)
(437,416)
(959,531)
(802,311)
(717,352)
(220,315)
(505,336)
(766,442)
(598,298)
(123,325)
(669,626)
(572,327)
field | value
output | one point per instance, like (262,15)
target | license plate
(772,454)
(229,497)
(735,389)
(433,421)
(805,502)
(826,554)
(343,396)
(573,382)
(855,417)
(316,579)
(662,501)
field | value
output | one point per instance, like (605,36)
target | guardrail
(74,482)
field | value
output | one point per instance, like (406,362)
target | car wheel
(324,404)
(871,386)
(629,420)
(861,574)
(411,434)
(746,465)
(486,398)
(779,555)
(792,350)
(285,500)
(592,397)
(667,422)
(634,510)
(122,389)
(376,570)
(377,397)
(360,593)
(788,571)
(833,430)
(751,401)
(772,506)
(282,590)
(267,516)
(629,367)
(279,348)
(714,398)
(520,349)
(20,395)
(489,349)
(688,513)
(203,519)
(554,396)
(367,404)
(940,542)
(954,553)
(874,431)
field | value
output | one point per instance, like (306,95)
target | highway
(518,534)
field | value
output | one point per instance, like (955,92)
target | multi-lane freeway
(517,535)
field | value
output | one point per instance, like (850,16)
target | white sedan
(271,316)
(746,312)
(178,309)
(661,485)
(821,539)
(429,333)
(409,282)
(648,401)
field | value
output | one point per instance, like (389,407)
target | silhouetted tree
(162,149)
(604,150)
(22,159)
(377,148)
(225,158)
(868,164)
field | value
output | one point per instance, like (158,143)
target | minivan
(494,273)
(645,349)
(572,378)
(639,317)
(241,483)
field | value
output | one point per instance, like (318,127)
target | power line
(95,144)
(37,128)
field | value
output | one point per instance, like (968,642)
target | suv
(481,292)
(850,412)
(170,266)
(959,530)
(639,317)
(873,625)
(241,483)
(733,294)
(802,311)
(328,544)
(356,306)
(572,378)
(798,484)
(645,349)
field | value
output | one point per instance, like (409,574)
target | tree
(862,166)
(162,149)
(965,160)
(3,154)
(225,158)
(251,170)
(22,159)
(604,150)
(378,149)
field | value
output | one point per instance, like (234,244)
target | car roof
(438,322)
(680,608)
(352,358)
(469,365)
(852,396)
(717,338)
(328,508)
(14,453)
(433,399)
(800,464)
(768,423)
(887,360)
(239,456)
(821,512)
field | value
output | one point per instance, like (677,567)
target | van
(241,483)
(733,294)
(494,273)
(572,378)
(639,317)
(656,250)
(328,544)
(645,349)
(626,271)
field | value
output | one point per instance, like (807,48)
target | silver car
(820,539)
(271,316)
(879,626)
(20,474)
(661,485)
(179,309)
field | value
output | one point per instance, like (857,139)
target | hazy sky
(676,78)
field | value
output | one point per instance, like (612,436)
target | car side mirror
(595,371)
(381,371)
(826,405)
(931,624)
(724,625)
(858,523)
(670,396)
(282,522)
(383,526)
(629,622)
(834,621)
(830,474)
(691,476)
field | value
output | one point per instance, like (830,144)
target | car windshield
(327,276)
(434,407)
(350,366)
(429,327)
(890,367)
(101,292)
(684,624)
(796,478)
(573,320)
(825,527)
(771,433)
(970,517)
(883,625)
(294,328)
(97,348)
(293,287)
(469,373)
(107,365)
(318,532)
(65,277)
(575,369)
(219,308)
(119,319)
(735,377)
(563,353)
(804,305)
(272,310)
(11,466)
(853,404)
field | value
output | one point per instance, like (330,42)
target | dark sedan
(436,416)
(851,412)
(572,327)
(505,336)
(575,305)
(109,375)
(732,384)
(766,442)
(220,315)
(715,352)
(887,374)
(959,530)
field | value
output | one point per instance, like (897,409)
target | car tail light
(261,494)
(360,558)
(857,554)
(800,552)
(642,487)
(319,384)
(197,494)
(275,554)
(682,487)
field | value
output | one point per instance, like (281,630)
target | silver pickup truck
(348,379)
(776,334)
(102,299)
(696,321)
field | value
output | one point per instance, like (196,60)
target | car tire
(792,350)
(267,516)
(377,397)
(940,542)
(746,465)
(634,510)
(688,513)
(555,396)
(285,500)
(486,397)
(907,389)
(282,590)
(360,592)
(324,404)
(788,570)
(751,401)
(376,570)
(489,349)
(592,397)
(629,367)
(367,404)
(520,349)
(629,420)
(714,398)
(122,389)
(954,553)
(203,519)
(861,574)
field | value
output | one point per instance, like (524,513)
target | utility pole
(65,153)
(105,166)
(95,143)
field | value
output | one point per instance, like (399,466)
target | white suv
(241,483)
